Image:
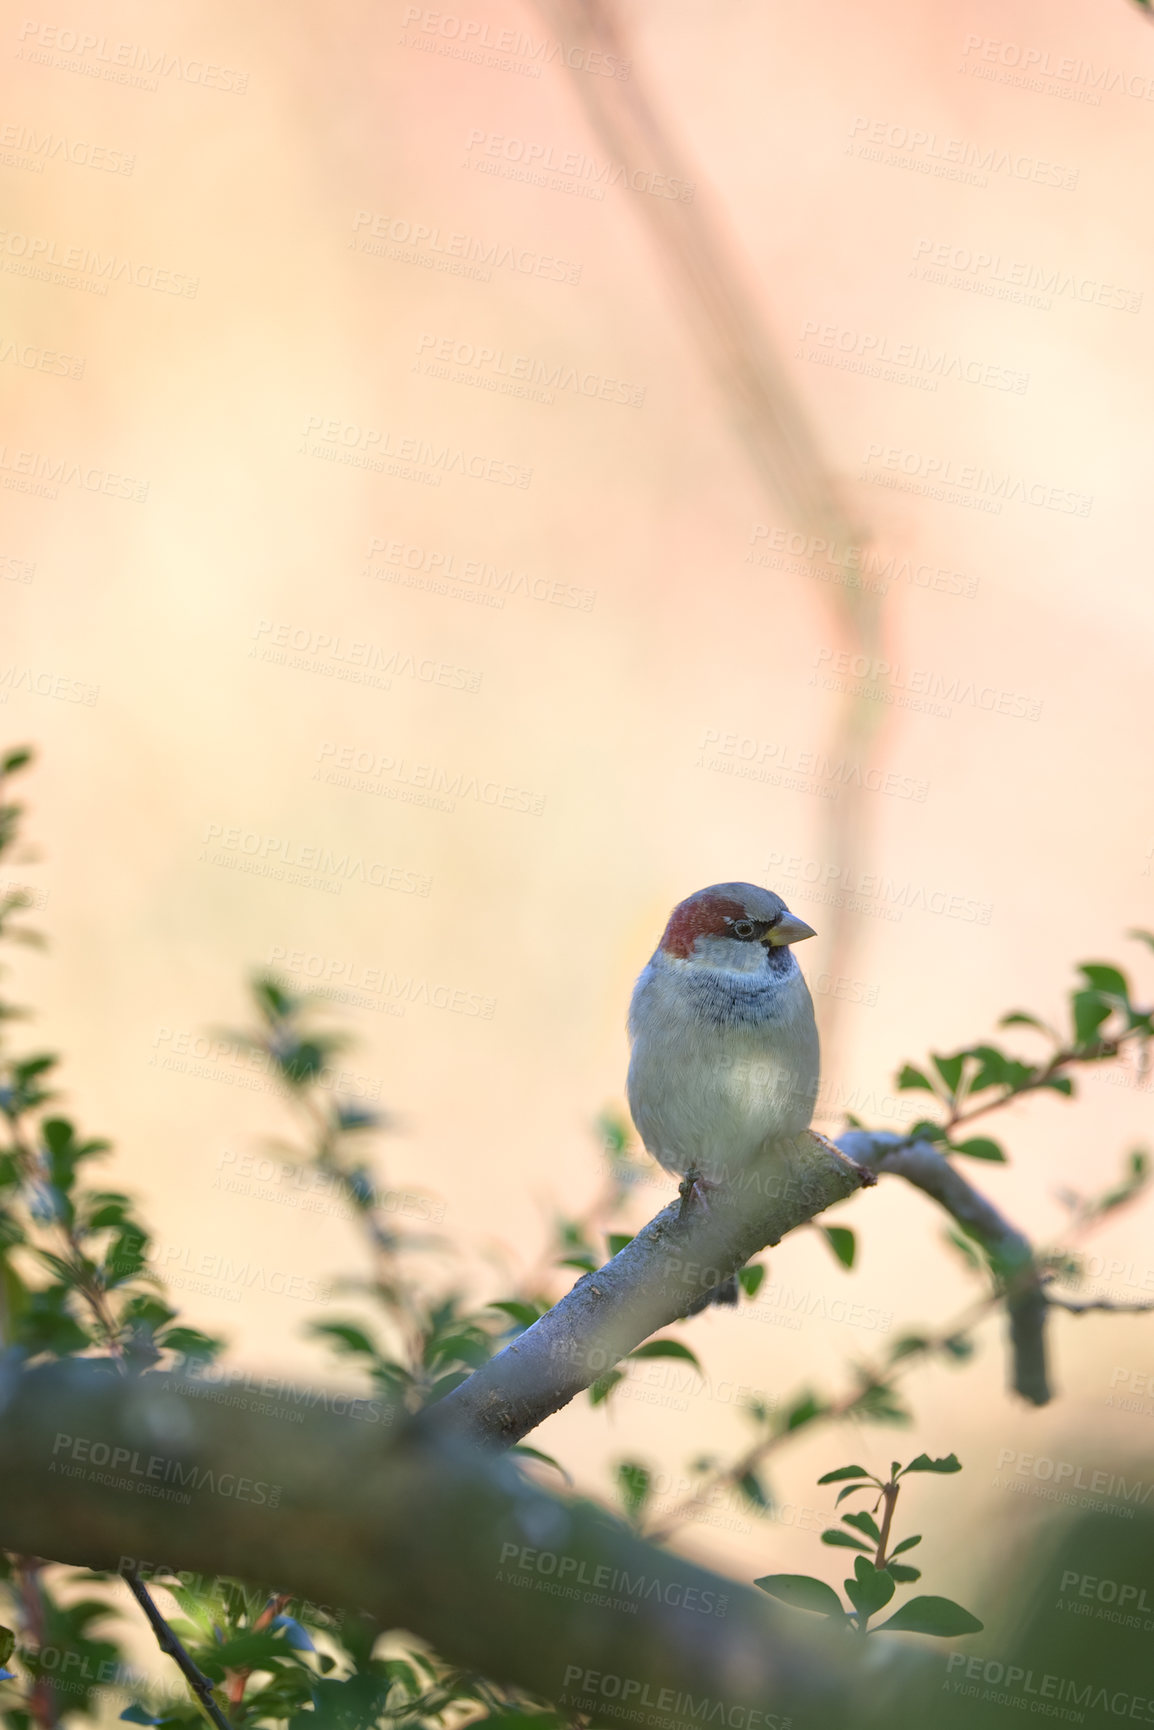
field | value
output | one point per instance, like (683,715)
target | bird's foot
(692,1190)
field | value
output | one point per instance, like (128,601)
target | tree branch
(172,1648)
(1008,1250)
(395,1519)
(652,1281)
(1082,1307)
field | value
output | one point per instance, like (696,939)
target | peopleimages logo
(1006,1684)
(1056,1480)
(457,253)
(39,255)
(863,567)
(988,489)
(148,1475)
(1036,63)
(593,1689)
(472,39)
(571,1571)
(117,61)
(1015,279)
(528,157)
(951,158)
(872,891)
(889,682)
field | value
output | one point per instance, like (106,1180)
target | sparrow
(725,1056)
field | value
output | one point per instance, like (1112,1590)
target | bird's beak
(789,929)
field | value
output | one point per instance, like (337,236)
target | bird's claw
(692,1190)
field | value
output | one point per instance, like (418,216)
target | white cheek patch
(729,954)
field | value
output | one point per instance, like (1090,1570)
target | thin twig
(890,1497)
(169,1644)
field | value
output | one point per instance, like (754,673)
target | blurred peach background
(274,434)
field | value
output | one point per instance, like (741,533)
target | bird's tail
(725,1293)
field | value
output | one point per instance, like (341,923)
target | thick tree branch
(1009,1252)
(654,1280)
(107,1471)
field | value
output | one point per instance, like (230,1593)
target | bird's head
(736,927)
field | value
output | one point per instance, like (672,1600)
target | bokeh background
(397,595)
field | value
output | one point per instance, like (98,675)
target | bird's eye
(742,928)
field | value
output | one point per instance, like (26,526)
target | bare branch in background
(709,280)
(1008,1250)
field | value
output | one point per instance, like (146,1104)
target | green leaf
(804,1593)
(601,1389)
(109,1210)
(844,1472)
(614,1132)
(44,1324)
(753,1490)
(189,1342)
(346,1338)
(1060,1084)
(803,1412)
(353,1117)
(870,1589)
(964,1248)
(923,1463)
(898,1571)
(522,1313)
(750,1278)
(842,1242)
(939,1616)
(667,1349)
(7,1644)
(617,1240)
(980,1147)
(906,1544)
(445,1385)
(462,1348)
(1022,1018)
(1146,937)
(991,1071)
(1101,976)
(864,1522)
(15,759)
(842,1540)
(852,1490)
(1090,1011)
(634,1482)
(529,1453)
(950,1069)
(909,1078)
(349,1704)
(879,1402)
(125,1256)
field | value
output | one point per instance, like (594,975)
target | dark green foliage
(876,1574)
